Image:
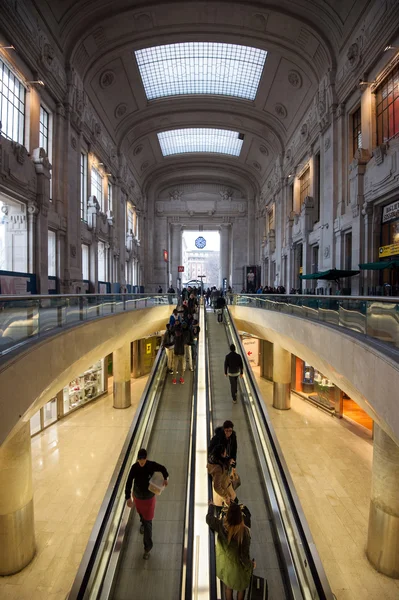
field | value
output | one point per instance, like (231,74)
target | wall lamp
(108,174)
(7,48)
(38,81)
(362,82)
(389,47)
(325,226)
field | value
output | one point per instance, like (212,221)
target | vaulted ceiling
(302,38)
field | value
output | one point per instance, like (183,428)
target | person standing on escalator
(143,499)
(220,306)
(233,369)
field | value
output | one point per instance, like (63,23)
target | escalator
(280,540)
(113,565)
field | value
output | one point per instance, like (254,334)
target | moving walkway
(175,424)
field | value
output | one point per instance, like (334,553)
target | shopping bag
(258,588)
(156,483)
(235,479)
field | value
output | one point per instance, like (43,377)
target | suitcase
(258,589)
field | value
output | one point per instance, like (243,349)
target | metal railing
(26,318)
(376,318)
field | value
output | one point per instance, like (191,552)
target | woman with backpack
(233,563)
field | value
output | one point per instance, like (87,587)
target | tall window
(110,207)
(83,187)
(356,131)
(315,259)
(388,107)
(97,187)
(52,253)
(85,261)
(348,251)
(44,129)
(12,105)
(304,182)
(130,217)
(102,261)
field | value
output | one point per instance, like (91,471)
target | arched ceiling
(302,39)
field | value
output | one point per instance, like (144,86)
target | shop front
(86,387)
(314,386)
(389,249)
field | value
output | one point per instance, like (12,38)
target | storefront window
(85,387)
(49,412)
(35,424)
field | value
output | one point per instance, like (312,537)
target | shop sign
(390,212)
(180,269)
(148,349)
(300,270)
(389,250)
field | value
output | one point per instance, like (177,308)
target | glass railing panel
(352,315)
(383,321)
(75,310)
(329,310)
(93,309)
(19,321)
(51,313)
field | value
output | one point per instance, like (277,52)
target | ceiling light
(182,141)
(201,68)
(38,81)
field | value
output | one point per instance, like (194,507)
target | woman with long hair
(233,563)
(218,467)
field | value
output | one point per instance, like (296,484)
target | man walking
(178,354)
(143,499)
(233,368)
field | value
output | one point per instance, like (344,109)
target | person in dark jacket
(188,341)
(178,354)
(226,436)
(233,368)
(143,499)
(168,343)
(220,305)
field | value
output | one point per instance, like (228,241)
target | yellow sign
(300,270)
(148,349)
(390,250)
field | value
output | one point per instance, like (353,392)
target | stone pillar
(136,362)
(281,378)
(225,253)
(121,371)
(176,239)
(17,534)
(383,533)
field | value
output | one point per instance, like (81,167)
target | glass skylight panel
(181,141)
(201,68)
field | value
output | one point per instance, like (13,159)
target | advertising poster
(251,346)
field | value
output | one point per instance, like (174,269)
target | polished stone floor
(330,463)
(72,462)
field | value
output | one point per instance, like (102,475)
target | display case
(85,387)
(324,391)
(308,378)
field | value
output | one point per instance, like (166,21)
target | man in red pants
(143,499)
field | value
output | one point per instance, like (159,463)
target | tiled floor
(73,461)
(331,468)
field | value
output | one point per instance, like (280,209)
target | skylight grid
(201,68)
(181,141)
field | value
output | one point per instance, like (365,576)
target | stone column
(17,534)
(383,533)
(136,362)
(176,235)
(281,378)
(121,371)
(225,253)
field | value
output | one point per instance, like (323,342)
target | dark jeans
(220,316)
(233,386)
(147,534)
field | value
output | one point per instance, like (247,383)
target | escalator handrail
(79,586)
(316,567)
(212,551)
